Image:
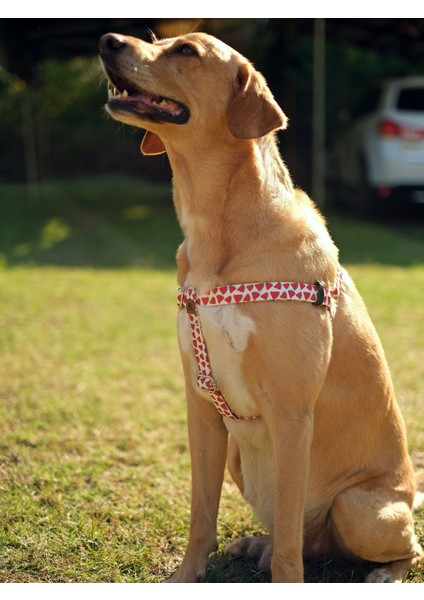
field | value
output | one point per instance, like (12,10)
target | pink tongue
(166,105)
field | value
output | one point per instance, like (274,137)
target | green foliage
(11,92)
(70,88)
(12,96)
(63,118)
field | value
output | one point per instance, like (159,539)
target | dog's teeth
(125,94)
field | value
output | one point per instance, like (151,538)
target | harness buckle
(320,294)
(190,306)
(206,382)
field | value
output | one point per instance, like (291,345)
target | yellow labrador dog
(285,374)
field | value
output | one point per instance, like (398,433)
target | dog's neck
(217,188)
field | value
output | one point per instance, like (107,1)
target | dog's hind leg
(257,548)
(393,572)
(369,523)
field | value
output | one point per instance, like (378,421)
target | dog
(286,378)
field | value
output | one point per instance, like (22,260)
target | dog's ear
(253,112)
(152,144)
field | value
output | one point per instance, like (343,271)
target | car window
(411,98)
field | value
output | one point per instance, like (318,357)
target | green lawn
(94,464)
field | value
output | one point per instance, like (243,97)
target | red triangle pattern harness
(236,294)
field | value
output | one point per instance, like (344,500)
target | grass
(94,464)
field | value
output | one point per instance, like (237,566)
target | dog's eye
(186,50)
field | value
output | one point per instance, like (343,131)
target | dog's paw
(255,548)
(190,571)
(186,576)
(381,575)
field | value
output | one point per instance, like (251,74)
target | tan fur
(326,465)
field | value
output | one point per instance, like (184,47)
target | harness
(239,293)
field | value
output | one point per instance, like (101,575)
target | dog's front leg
(208,448)
(290,382)
(291,436)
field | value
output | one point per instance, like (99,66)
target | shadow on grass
(120,222)
(221,569)
(108,223)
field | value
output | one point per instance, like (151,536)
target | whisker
(196,26)
(153,37)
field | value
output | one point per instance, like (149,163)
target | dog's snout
(111,42)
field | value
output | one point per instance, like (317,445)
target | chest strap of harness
(239,293)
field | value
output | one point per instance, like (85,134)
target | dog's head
(193,84)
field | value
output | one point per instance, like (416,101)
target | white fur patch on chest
(226,332)
(227,321)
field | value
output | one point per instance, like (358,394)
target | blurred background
(322,72)
(94,464)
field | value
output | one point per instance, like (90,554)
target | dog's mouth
(124,97)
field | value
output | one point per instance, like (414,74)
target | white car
(381,157)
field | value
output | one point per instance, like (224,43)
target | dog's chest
(226,331)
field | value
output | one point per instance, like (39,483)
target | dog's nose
(111,42)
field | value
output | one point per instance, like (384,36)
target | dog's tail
(419,496)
